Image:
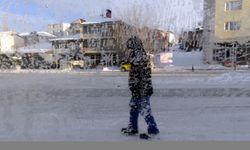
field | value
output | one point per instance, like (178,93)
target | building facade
(105,42)
(232,20)
(31,38)
(10,42)
(95,42)
(101,40)
(191,40)
(58,29)
(227,31)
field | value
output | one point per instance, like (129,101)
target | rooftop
(39,33)
(94,20)
(66,38)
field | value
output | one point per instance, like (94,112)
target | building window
(85,29)
(219,55)
(232,26)
(85,44)
(233,5)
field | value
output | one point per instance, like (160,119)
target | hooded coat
(140,83)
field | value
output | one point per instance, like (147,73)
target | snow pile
(232,77)
(111,69)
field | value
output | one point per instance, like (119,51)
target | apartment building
(191,40)
(232,20)
(227,30)
(102,40)
(58,29)
(93,39)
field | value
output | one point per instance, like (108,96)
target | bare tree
(140,20)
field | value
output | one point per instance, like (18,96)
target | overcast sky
(29,15)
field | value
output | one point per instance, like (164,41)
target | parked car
(229,63)
(76,63)
(125,67)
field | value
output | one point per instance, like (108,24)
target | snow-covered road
(77,107)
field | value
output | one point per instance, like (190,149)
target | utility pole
(235,57)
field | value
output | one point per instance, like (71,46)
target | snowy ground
(94,106)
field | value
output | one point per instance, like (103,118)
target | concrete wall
(208,35)
(10,42)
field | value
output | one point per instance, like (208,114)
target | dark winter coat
(140,83)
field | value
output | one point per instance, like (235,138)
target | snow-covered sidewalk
(79,107)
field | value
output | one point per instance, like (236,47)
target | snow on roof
(98,19)
(36,48)
(63,23)
(66,38)
(45,34)
(39,33)
(24,34)
(80,20)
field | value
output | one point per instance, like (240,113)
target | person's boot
(129,131)
(153,131)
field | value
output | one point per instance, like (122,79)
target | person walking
(141,88)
